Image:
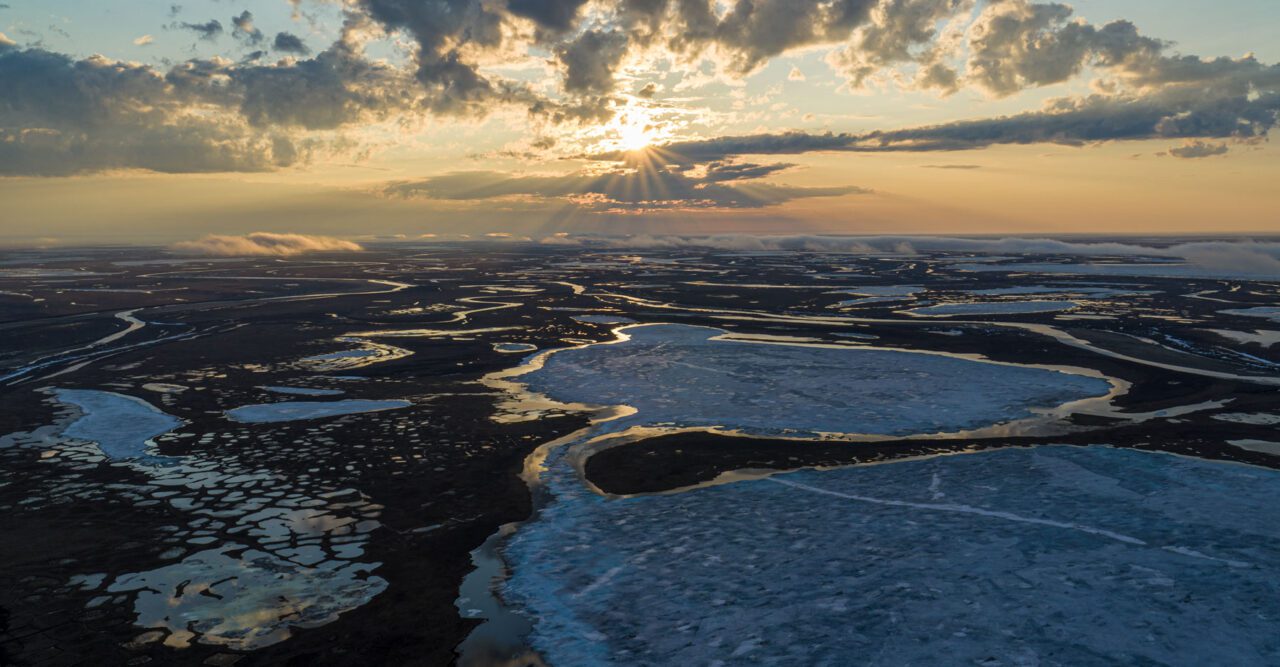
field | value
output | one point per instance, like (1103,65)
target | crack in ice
(967,509)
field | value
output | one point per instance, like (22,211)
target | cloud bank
(259,244)
(1237,257)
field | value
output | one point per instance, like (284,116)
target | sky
(144,122)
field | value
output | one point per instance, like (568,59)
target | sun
(634,129)
(634,135)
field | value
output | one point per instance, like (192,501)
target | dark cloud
(619,191)
(442,28)
(753,31)
(590,61)
(556,15)
(244,29)
(335,88)
(209,30)
(62,116)
(290,43)
(721,171)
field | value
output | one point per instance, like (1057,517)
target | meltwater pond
(1048,556)
(694,376)
(260,553)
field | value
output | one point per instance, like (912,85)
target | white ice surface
(1047,556)
(1147,269)
(681,374)
(1264,446)
(603,319)
(303,391)
(992,308)
(285,411)
(1267,312)
(511,348)
(1263,337)
(121,426)
(1091,292)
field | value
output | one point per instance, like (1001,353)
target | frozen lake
(687,376)
(121,426)
(1052,555)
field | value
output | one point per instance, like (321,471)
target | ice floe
(1268,312)
(302,391)
(1254,418)
(1146,270)
(511,348)
(1087,291)
(603,319)
(1263,337)
(992,308)
(287,411)
(1264,446)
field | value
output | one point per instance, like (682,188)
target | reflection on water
(294,559)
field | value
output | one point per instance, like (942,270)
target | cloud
(209,30)
(1234,99)
(590,61)
(894,34)
(245,29)
(553,14)
(290,43)
(1199,149)
(144,40)
(63,116)
(795,74)
(262,244)
(1236,257)
(1016,43)
(712,186)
